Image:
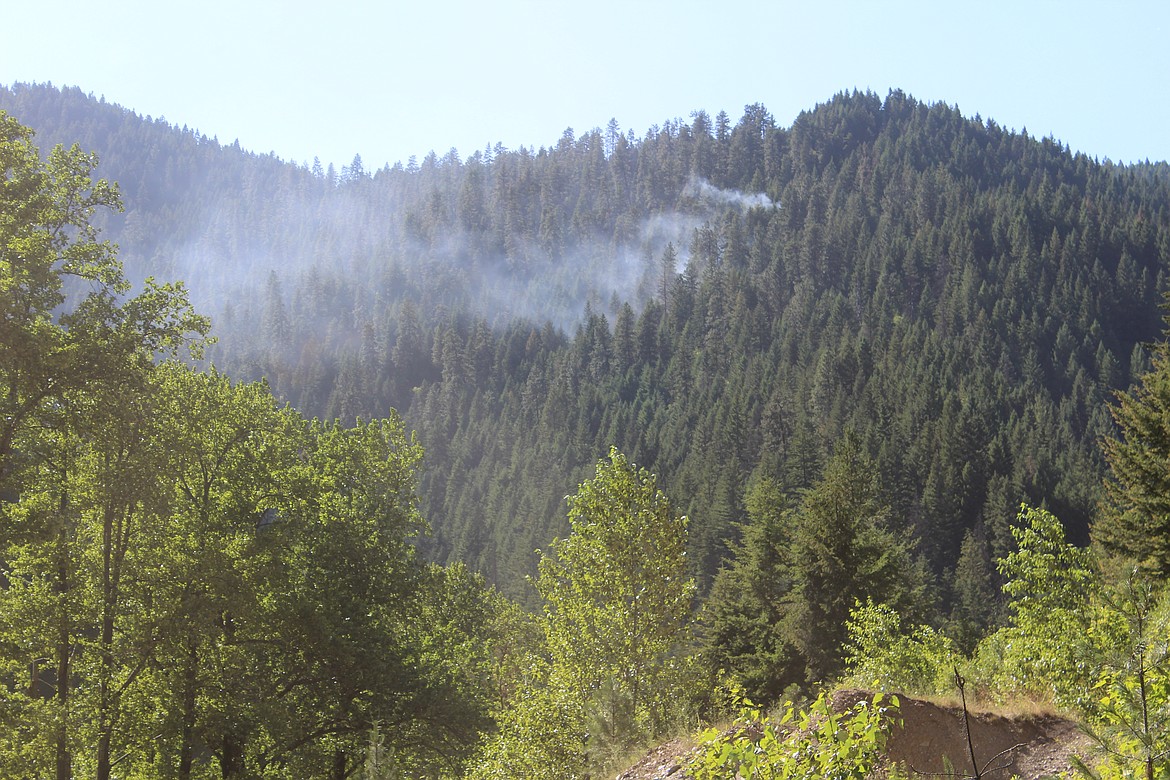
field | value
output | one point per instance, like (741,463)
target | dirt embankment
(931,736)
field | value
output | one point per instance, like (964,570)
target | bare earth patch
(1030,746)
(664,761)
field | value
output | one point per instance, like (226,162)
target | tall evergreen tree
(1135,519)
(778,613)
(842,553)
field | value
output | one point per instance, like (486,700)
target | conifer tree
(842,552)
(1135,518)
(778,613)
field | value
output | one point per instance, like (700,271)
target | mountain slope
(721,301)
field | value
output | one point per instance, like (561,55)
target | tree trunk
(232,759)
(105,677)
(64,756)
(190,681)
(339,764)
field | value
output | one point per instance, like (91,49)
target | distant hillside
(720,300)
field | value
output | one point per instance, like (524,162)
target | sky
(389,80)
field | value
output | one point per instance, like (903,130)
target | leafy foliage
(194,578)
(1130,709)
(799,743)
(617,594)
(1050,583)
(881,652)
(617,598)
(541,734)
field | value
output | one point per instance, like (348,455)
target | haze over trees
(191,573)
(847,350)
(962,297)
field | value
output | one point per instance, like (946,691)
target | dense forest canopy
(720,300)
(846,390)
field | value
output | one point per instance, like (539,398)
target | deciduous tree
(70,342)
(617,594)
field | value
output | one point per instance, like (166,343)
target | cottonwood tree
(193,577)
(120,486)
(292,618)
(70,341)
(233,464)
(349,610)
(617,595)
(65,324)
(239,594)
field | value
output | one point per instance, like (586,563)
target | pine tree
(843,552)
(1135,520)
(778,613)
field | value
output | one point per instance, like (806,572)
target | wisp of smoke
(226,273)
(704,190)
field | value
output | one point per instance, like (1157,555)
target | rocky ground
(1030,746)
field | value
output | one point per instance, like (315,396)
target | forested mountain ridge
(961,297)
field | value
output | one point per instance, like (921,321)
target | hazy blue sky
(393,79)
